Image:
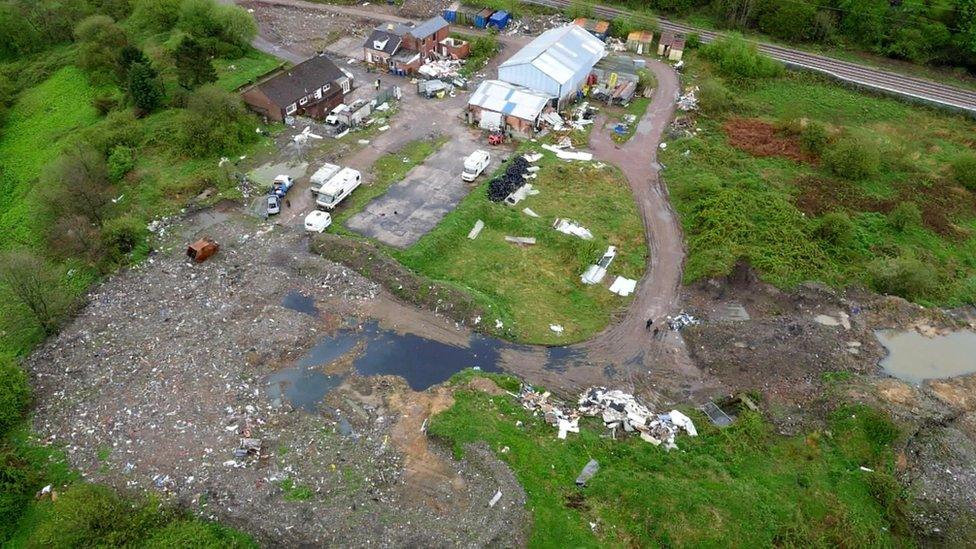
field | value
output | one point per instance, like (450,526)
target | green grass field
(235,73)
(742,486)
(767,209)
(532,287)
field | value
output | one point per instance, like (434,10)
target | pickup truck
(281,185)
(475,164)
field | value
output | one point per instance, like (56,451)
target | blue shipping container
(450,16)
(499,19)
(481,20)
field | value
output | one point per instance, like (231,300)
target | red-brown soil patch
(762,139)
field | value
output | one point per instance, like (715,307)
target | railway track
(891,83)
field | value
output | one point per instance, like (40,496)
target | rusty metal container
(202,249)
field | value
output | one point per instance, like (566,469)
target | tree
(199,18)
(127,57)
(237,26)
(77,184)
(788,20)
(32,282)
(75,237)
(215,122)
(736,58)
(100,42)
(155,15)
(145,88)
(193,65)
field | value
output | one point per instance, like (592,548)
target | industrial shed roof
(498,96)
(560,53)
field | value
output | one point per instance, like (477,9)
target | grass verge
(737,487)
(532,287)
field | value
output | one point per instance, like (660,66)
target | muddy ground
(153,386)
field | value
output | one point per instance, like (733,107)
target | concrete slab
(415,205)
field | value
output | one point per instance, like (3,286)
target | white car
(317,221)
(274,204)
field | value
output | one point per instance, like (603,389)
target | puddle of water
(559,358)
(421,362)
(263,175)
(913,357)
(300,302)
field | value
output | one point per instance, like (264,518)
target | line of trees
(939,32)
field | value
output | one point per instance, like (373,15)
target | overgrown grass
(387,170)
(739,487)
(768,210)
(236,73)
(533,287)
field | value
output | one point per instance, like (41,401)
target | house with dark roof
(311,88)
(401,48)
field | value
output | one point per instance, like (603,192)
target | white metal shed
(556,63)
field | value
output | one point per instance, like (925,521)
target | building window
(346,85)
(290,109)
(318,94)
(326,88)
(303,100)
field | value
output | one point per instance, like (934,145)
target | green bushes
(814,137)
(713,97)
(90,515)
(853,158)
(835,228)
(905,216)
(14,393)
(120,162)
(734,57)
(214,122)
(903,276)
(579,8)
(964,170)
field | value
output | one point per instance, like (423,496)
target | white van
(474,164)
(339,187)
(333,117)
(322,175)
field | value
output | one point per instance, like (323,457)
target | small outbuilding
(640,42)
(671,46)
(500,105)
(600,29)
(454,48)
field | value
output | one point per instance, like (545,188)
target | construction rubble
(681,320)
(689,101)
(619,410)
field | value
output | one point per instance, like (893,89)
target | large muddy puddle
(371,350)
(914,357)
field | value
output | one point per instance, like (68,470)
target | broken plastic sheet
(569,155)
(623,286)
(572,228)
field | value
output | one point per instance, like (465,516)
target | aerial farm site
(547,273)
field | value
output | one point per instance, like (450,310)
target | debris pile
(617,409)
(572,228)
(689,101)
(681,320)
(445,69)
(507,183)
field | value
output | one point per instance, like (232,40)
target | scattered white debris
(567,155)
(476,230)
(594,273)
(572,228)
(529,212)
(556,328)
(521,240)
(689,101)
(681,320)
(623,286)
(495,498)
(532,157)
(383,128)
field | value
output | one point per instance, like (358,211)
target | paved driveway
(415,205)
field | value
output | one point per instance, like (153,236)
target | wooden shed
(640,41)
(671,46)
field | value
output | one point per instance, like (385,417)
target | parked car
(475,164)
(339,187)
(274,204)
(321,176)
(281,184)
(317,221)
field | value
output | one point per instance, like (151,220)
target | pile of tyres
(507,183)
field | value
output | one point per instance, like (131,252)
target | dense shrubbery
(905,216)
(14,393)
(853,158)
(964,170)
(903,276)
(213,122)
(713,97)
(835,228)
(734,57)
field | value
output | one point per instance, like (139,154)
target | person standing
(650,322)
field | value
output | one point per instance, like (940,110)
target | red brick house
(402,48)
(311,88)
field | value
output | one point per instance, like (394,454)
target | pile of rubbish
(620,93)
(572,228)
(445,69)
(689,101)
(617,409)
(581,117)
(507,183)
(681,320)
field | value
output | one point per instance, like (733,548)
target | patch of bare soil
(304,30)
(941,202)
(152,387)
(762,139)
